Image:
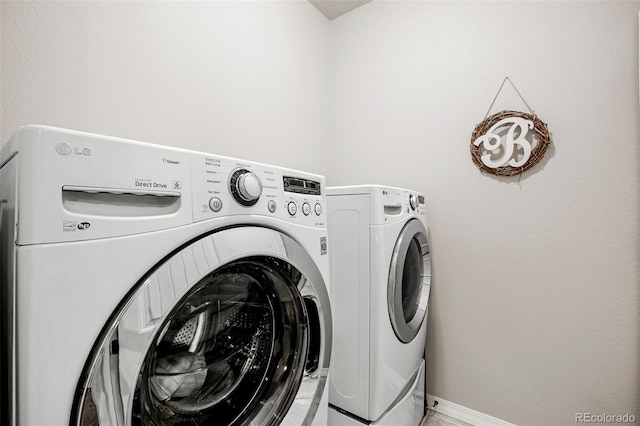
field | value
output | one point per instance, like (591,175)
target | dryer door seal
(409,281)
(232,329)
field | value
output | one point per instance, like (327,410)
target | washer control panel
(224,186)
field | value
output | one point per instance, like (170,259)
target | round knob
(249,186)
(413,201)
(245,187)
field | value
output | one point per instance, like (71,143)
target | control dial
(245,187)
(413,201)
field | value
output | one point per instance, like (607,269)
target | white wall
(225,77)
(535,298)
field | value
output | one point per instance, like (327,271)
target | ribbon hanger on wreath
(509,142)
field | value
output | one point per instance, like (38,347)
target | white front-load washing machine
(380,282)
(147,285)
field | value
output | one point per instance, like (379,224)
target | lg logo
(65,148)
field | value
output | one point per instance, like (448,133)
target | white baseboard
(463,414)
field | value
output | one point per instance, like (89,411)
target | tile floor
(436,419)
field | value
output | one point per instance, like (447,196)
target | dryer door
(233,329)
(409,281)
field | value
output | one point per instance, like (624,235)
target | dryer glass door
(409,281)
(245,341)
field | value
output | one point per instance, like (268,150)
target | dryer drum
(413,270)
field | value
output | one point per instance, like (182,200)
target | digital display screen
(301,186)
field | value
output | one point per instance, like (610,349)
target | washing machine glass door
(409,281)
(245,340)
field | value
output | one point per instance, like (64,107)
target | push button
(292,208)
(215,204)
(271,205)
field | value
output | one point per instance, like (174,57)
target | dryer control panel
(224,186)
(387,204)
(395,204)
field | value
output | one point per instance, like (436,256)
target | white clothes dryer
(380,282)
(151,285)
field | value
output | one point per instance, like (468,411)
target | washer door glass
(234,329)
(230,348)
(409,281)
